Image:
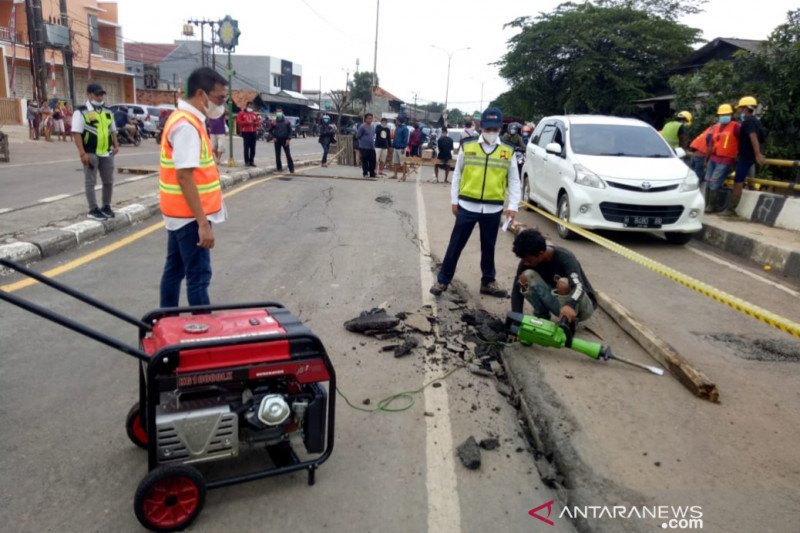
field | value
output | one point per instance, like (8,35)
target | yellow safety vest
(670,133)
(484,177)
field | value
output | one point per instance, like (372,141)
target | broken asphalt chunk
(470,453)
(404,349)
(489,443)
(372,320)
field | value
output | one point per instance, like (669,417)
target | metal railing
(107,53)
(6,35)
(791,185)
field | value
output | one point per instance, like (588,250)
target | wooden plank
(691,378)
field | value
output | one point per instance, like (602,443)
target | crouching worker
(551,279)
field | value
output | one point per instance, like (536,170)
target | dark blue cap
(492,118)
(95,88)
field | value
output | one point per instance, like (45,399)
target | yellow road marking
(752,310)
(80,261)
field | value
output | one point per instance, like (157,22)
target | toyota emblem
(646,185)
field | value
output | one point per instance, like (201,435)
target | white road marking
(741,270)
(5,210)
(139,177)
(75,159)
(53,198)
(444,509)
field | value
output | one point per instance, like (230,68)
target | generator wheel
(169,498)
(134,427)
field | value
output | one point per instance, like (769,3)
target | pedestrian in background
(469,131)
(415,141)
(676,131)
(382,138)
(399,145)
(190,193)
(445,155)
(95,136)
(699,150)
(247,122)
(327,136)
(47,120)
(216,130)
(32,114)
(282,131)
(723,147)
(751,136)
(58,121)
(485,174)
(366,146)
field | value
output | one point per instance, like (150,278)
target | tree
(340,100)
(668,9)
(585,58)
(361,87)
(433,107)
(455,116)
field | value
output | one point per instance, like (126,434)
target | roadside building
(100,58)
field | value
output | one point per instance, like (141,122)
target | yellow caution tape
(768,317)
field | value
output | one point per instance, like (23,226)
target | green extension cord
(386,403)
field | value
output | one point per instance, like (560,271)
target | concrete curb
(49,241)
(783,260)
(770,209)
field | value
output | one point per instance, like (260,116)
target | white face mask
(98,103)
(249,109)
(214,111)
(489,136)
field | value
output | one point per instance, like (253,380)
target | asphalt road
(327,250)
(44,171)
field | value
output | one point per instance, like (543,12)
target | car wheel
(563,214)
(678,238)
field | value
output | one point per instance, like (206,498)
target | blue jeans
(716,175)
(545,302)
(489,224)
(697,163)
(186,260)
(325,148)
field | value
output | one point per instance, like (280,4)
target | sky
(415,37)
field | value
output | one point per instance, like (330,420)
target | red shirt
(247,122)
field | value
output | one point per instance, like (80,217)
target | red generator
(246,382)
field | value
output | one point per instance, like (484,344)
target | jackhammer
(532,330)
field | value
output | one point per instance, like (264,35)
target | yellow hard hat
(725,109)
(747,101)
(685,115)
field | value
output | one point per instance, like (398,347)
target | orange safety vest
(699,143)
(206,176)
(723,141)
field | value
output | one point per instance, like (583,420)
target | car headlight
(584,176)
(691,182)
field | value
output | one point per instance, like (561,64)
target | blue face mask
(743,116)
(725,119)
(325,120)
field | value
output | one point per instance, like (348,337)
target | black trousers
(249,139)
(281,142)
(368,161)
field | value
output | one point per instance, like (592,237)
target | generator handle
(73,325)
(13,265)
(157,314)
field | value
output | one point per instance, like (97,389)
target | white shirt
(513,186)
(79,125)
(185,142)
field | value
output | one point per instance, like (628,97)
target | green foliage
(433,107)
(455,116)
(668,9)
(584,58)
(361,87)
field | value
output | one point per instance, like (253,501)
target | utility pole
(202,23)
(35,28)
(375,58)
(68,55)
(415,106)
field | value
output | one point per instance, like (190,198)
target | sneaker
(107,212)
(96,214)
(493,289)
(438,288)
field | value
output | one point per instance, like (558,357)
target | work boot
(732,205)
(438,288)
(712,199)
(493,289)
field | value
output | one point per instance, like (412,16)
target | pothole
(384,199)
(321,229)
(758,349)
(285,178)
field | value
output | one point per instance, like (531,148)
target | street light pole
(447,87)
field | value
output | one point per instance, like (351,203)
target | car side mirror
(553,148)
(680,152)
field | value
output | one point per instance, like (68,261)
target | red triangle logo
(533,512)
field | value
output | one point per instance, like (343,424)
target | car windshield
(618,140)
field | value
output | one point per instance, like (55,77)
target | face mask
(98,103)
(490,137)
(724,120)
(279,116)
(743,116)
(214,111)
(325,120)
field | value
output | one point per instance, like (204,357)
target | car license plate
(642,222)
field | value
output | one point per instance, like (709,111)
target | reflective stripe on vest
(484,177)
(723,141)
(97,130)
(700,143)
(670,133)
(206,176)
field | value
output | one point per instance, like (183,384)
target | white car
(601,172)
